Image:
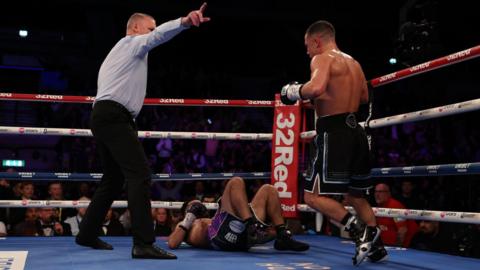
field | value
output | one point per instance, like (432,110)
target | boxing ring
(325,252)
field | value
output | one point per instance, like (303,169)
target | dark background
(248,50)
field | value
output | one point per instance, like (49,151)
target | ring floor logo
(13,260)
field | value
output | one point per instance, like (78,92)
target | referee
(122,82)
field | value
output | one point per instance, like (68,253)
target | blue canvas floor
(325,253)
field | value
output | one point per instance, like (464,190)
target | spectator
(5,188)
(84,190)
(17,189)
(211,148)
(27,227)
(209,198)
(111,225)
(169,166)
(408,196)
(74,221)
(161,222)
(468,239)
(27,190)
(175,217)
(395,231)
(199,190)
(126,222)
(164,149)
(55,192)
(196,160)
(3,229)
(433,236)
(46,224)
(167,190)
(6,193)
(214,190)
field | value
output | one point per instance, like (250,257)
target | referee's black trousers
(124,162)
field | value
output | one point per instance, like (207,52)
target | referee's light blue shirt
(123,74)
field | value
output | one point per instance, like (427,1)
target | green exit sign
(13,163)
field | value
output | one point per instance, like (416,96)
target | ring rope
(451,109)
(427,170)
(74,177)
(444,216)
(427,66)
(141,134)
(148,101)
(436,112)
(385,79)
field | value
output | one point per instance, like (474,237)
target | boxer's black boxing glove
(198,209)
(194,210)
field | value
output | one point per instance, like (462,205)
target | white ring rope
(451,109)
(436,112)
(443,216)
(141,134)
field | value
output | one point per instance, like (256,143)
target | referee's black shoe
(151,252)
